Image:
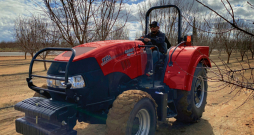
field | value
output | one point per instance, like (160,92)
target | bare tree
(250,46)
(231,13)
(237,79)
(227,44)
(25,34)
(49,37)
(119,33)
(202,38)
(82,21)
(34,34)
(242,44)
(241,40)
(9,46)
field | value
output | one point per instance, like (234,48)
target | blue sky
(12,9)
(134,1)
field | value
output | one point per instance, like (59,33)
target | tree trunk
(242,55)
(45,66)
(252,53)
(25,55)
(44,57)
(210,51)
(228,57)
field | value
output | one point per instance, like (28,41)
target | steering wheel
(141,39)
(146,43)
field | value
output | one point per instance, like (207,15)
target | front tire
(191,104)
(133,112)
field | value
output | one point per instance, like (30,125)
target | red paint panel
(185,59)
(142,60)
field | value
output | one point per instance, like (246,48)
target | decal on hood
(129,52)
(108,58)
(105,60)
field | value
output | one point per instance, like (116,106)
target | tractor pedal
(170,101)
(149,74)
(160,68)
(171,115)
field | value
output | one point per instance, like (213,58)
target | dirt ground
(220,117)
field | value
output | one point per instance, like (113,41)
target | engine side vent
(126,64)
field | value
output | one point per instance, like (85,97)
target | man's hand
(147,39)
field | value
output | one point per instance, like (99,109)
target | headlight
(76,82)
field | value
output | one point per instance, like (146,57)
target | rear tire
(133,112)
(191,104)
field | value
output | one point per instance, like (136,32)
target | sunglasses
(153,26)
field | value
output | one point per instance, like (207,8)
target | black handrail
(179,19)
(171,62)
(47,77)
(50,61)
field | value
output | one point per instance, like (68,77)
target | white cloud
(133,28)
(10,10)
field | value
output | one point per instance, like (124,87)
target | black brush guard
(41,90)
(46,116)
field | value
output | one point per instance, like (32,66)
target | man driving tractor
(156,37)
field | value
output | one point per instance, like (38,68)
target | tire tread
(119,114)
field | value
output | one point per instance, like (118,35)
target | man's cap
(155,24)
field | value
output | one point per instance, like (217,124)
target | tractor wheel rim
(143,125)
(199,91)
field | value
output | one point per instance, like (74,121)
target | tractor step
(171,109)
(44,116)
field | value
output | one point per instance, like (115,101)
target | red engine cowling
(112,56)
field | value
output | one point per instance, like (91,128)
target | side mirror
(188,40)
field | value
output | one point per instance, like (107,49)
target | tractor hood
(98,49)
(107,56)
(95,60)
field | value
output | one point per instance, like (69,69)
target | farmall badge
(105,60)
(129,52)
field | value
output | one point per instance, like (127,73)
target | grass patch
(10,50)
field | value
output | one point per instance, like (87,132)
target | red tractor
(117,83)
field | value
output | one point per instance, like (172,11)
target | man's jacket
(159,40)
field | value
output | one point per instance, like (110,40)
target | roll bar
(179,19)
